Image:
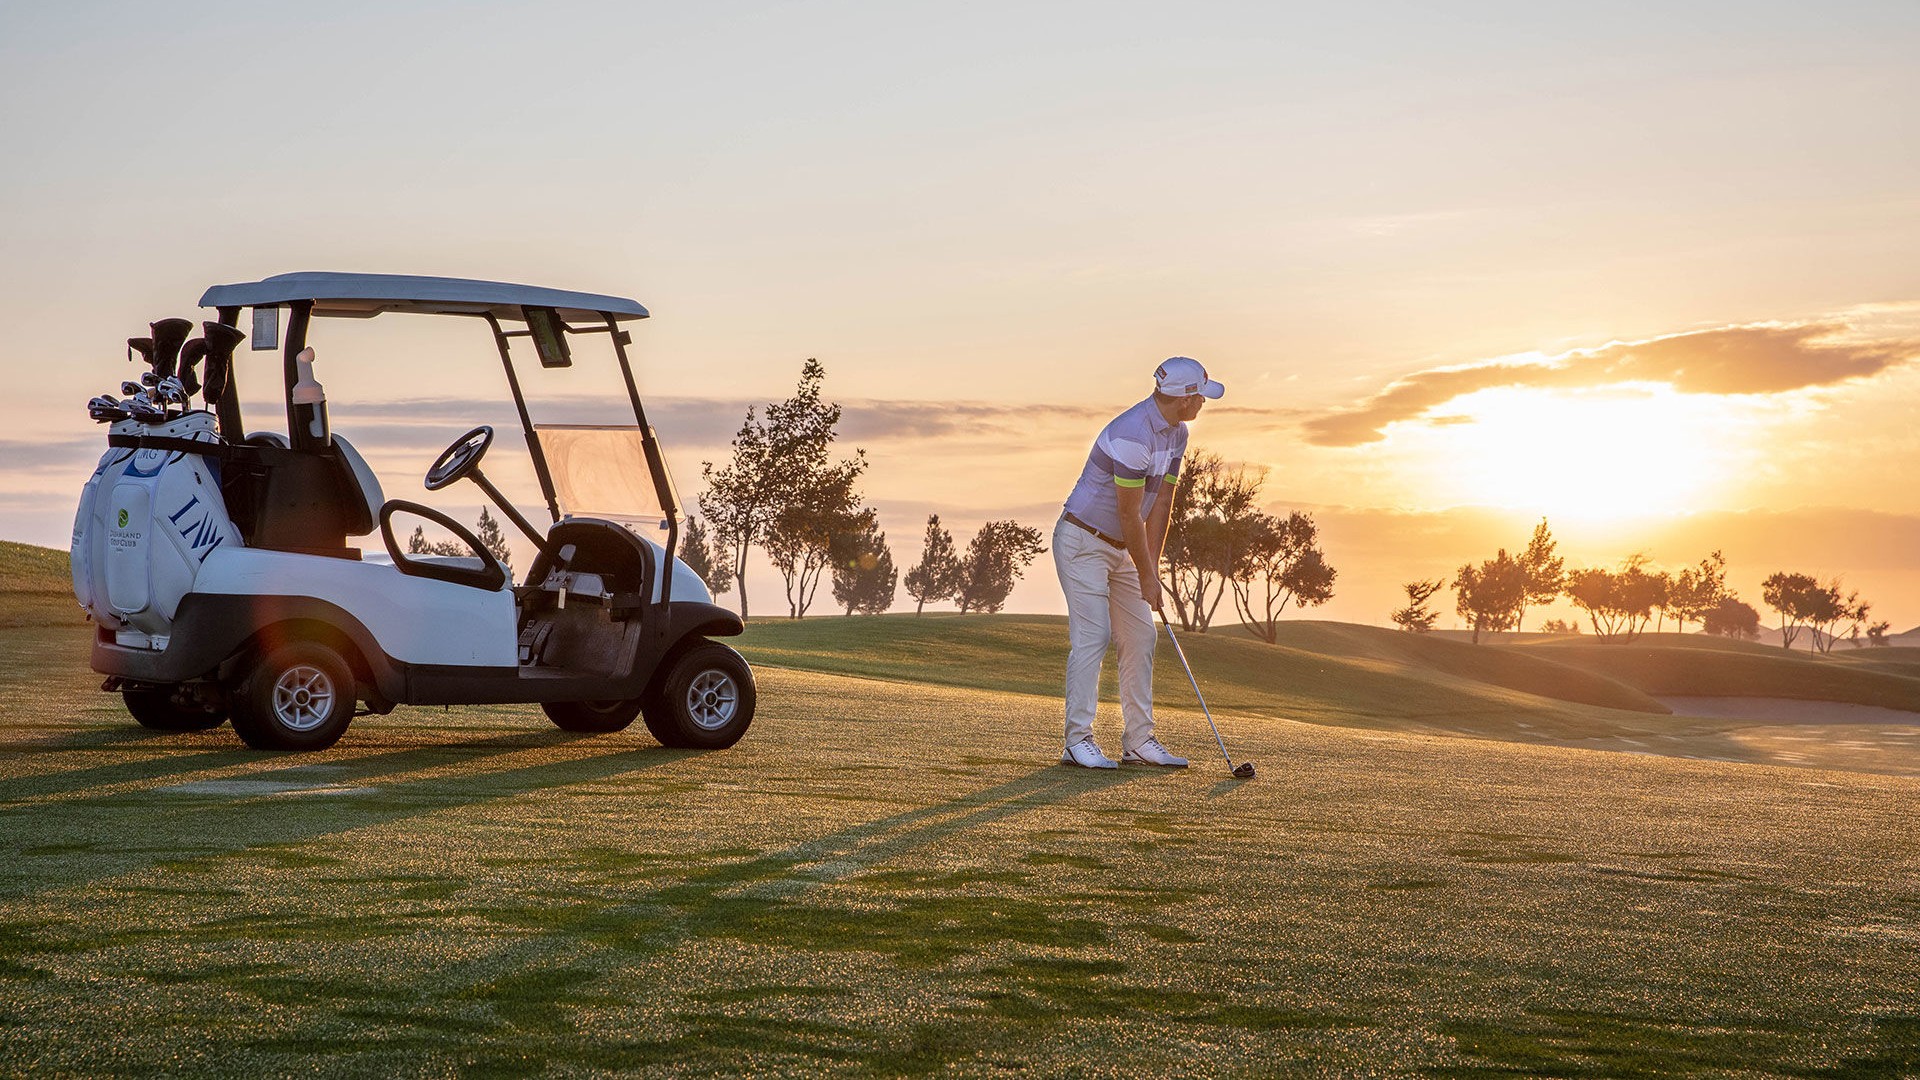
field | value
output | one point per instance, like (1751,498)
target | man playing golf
(1107,551)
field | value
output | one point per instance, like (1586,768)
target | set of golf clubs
(165,391)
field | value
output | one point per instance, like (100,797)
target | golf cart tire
(297,696)
(592,717)
(156,710)
(705,699)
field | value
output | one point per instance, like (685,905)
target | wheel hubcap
(302,698)
(712,700)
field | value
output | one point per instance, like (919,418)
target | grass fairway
(891,878)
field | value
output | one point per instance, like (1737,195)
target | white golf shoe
(1152,753)
(1086,754)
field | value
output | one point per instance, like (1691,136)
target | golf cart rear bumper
(211,629)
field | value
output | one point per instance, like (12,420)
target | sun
(1616,453)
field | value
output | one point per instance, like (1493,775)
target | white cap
(1182,376)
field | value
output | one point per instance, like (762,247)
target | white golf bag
(147,521)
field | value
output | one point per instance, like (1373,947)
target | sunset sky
(1651,271)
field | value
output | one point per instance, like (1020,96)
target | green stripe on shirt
(1121,481)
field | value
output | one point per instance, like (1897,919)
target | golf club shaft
(1188,668)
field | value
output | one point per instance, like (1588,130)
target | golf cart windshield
(601,471)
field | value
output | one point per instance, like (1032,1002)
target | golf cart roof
(362,296)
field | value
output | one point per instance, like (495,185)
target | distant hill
(28,568)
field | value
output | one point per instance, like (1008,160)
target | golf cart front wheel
(298,696)
(705,700)
(591,717)
(158,710)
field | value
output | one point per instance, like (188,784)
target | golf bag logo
(123,519)
(203,535)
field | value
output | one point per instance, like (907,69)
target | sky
(1646,270)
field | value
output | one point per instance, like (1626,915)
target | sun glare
(1623,452)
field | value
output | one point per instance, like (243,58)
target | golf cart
(215,563)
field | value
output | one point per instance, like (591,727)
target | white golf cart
(216,568)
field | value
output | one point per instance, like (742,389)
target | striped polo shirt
(1138,449)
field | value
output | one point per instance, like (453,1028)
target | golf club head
(105,409)
(129,388)
(146,411)
(171,389)
(1243,771)
(143,346)
(149,379)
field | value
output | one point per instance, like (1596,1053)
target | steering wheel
(459,459)
(490,575)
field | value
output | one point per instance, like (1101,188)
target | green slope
(28,568)
(1676,665)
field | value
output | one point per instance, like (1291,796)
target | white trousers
(1104,605)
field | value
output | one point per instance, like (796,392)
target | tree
(1281,563)
(863,575)
(937,574)
(994,560)
(1618,604)
(1830,609)
(820,516)
(1560,627)
(1491,596)
(1797,597)
(1415,618)
(1732,618)
(1877,633)
(779,456)
(1545,572)
(1212,523)
(703,558)
(1698,590)
(487,531)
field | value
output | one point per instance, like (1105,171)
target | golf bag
(149,516)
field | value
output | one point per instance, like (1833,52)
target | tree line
(1494,595)
(783,493)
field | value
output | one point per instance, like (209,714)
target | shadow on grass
(89,838)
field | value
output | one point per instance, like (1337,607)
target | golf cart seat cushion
(602,549)
(364,488)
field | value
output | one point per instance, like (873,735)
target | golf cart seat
(290,501)
(362,486)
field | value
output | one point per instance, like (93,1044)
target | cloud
(1766,359)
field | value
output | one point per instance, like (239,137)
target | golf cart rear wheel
(591,717)
(298,696)
(705,700)
(157,710)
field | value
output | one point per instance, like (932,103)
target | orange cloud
(1768,359)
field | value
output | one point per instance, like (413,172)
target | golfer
(1107,550)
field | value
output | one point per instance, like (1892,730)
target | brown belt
(1110,541)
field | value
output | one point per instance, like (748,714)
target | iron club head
(129,388)
(1243,771)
